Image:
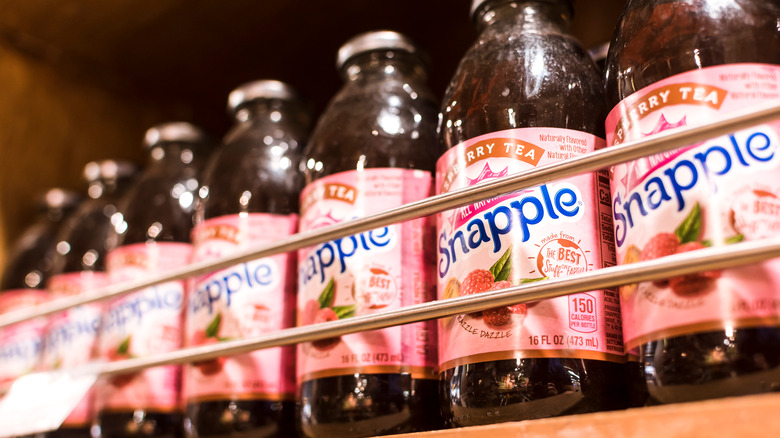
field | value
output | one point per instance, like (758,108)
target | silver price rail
(679,264)
(434,204)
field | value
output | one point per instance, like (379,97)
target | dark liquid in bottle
(372,404)
(519,82)
(245,163)
(30,259)
(655,40)
(149,201)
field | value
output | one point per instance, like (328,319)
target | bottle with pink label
(370,151)
(249,198)
(22,287)
(683,63)
(153,233)
(78,267)
(525,94)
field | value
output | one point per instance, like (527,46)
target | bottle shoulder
(519,80)
(368,124)
(656,40)
(255,173)
(160,205)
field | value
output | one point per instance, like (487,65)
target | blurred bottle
(370,151)
(250,197)
(78,267)
(678,63)
(525,94)
(152,235)
(22,286)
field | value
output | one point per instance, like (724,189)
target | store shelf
(748,416)
(103,64)
(679,264)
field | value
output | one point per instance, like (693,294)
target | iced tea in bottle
(153,234)
(678,63)
(30,258)
(78,267)
(371,150)
(524,95)
(249,197)
(23,281)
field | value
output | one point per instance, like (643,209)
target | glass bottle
(78,267)
(23,281)
(525,94)
(370,151)
(249,197)
(676,63)
(152,235)
(29,260)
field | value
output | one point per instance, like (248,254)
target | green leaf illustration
(690,227)
(213,328)
(728,241)
(345,311)
(124,347)
(502,268)
(326,297)
(532,280)
(735,239)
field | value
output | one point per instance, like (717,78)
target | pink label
(247,300)
(550,231)
(717,192)
(71,336)
(370,272)
(20,344)
(144,323)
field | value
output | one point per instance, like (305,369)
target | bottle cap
(262,89)
(174,132)
(108,170)
(476,5)
(373,41)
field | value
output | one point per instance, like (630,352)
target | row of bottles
(524,95)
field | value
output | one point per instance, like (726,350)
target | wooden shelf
(748,416)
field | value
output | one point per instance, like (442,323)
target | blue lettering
(681,177)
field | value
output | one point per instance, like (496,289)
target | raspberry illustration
(519,309)
(325,315)
(660,245)
(696,283)
(477,281)
(309,313)
(498,317)
(210,367)
(122,380)
(502,316)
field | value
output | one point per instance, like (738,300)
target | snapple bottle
(23,281)
(674,64)
(249,197)
(78,267)
(152,231)
(370,151)
(525,94)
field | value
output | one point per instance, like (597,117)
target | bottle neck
(175,154)
(531,16)
(380,65)
(271,110)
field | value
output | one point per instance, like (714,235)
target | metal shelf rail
(705,259)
